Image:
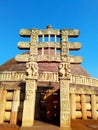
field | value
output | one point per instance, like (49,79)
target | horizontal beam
(49,76)
(72,32)
(49,44)
(76,59)
(29,32)
(24,45)
(74,45)
(22,57)
(25,32)
(47,58)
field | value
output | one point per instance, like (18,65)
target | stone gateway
(46,83)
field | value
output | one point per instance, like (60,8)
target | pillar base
(28,114)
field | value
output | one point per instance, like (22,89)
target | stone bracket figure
(64,70)
(32,70)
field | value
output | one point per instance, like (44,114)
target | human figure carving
(28,70)
(32,69)
(64,70)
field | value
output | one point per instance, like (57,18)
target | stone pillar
(15,107)
(3,94)
(29,103)
(64,104)
(93,103)
(31,81)
(73,106)
(83,104)
(64,76)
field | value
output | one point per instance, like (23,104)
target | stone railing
(47,76)
(12,76)
(80,79)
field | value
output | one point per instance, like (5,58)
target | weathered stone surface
(29,103)
(25,58)
(23,45)
(25,32)
(22,58)
(74,45)
(3,94)
(64,103)
(49,44)
(15,107)
(72,32)
(83,104)
(94,109)
(73,106)
(8,105)
(76,59)
(46,67)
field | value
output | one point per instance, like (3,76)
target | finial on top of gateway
(49,26)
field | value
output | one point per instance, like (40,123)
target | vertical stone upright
(64,74)
(93,103)
(83,104)
(31,82)
(73,106)
(15,107)
(3,94)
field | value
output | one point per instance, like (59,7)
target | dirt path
(76,125)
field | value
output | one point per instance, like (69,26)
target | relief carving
(34,39)
(64,36)
(32,69)
(29,94)
(33,50)
(65,49)
(65,117)
(65,105)
(64,70)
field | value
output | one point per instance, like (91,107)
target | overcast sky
(71,14)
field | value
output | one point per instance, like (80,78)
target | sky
(69,14)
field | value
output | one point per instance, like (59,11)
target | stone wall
(83,104)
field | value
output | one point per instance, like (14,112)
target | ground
(76,125)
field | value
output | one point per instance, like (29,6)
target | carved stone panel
(64,103)
(30,89)
(64,36)
(64,70)
(32,70)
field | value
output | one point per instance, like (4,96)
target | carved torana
(47,69)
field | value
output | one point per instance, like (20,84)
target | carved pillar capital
(64,70)
(32,70)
